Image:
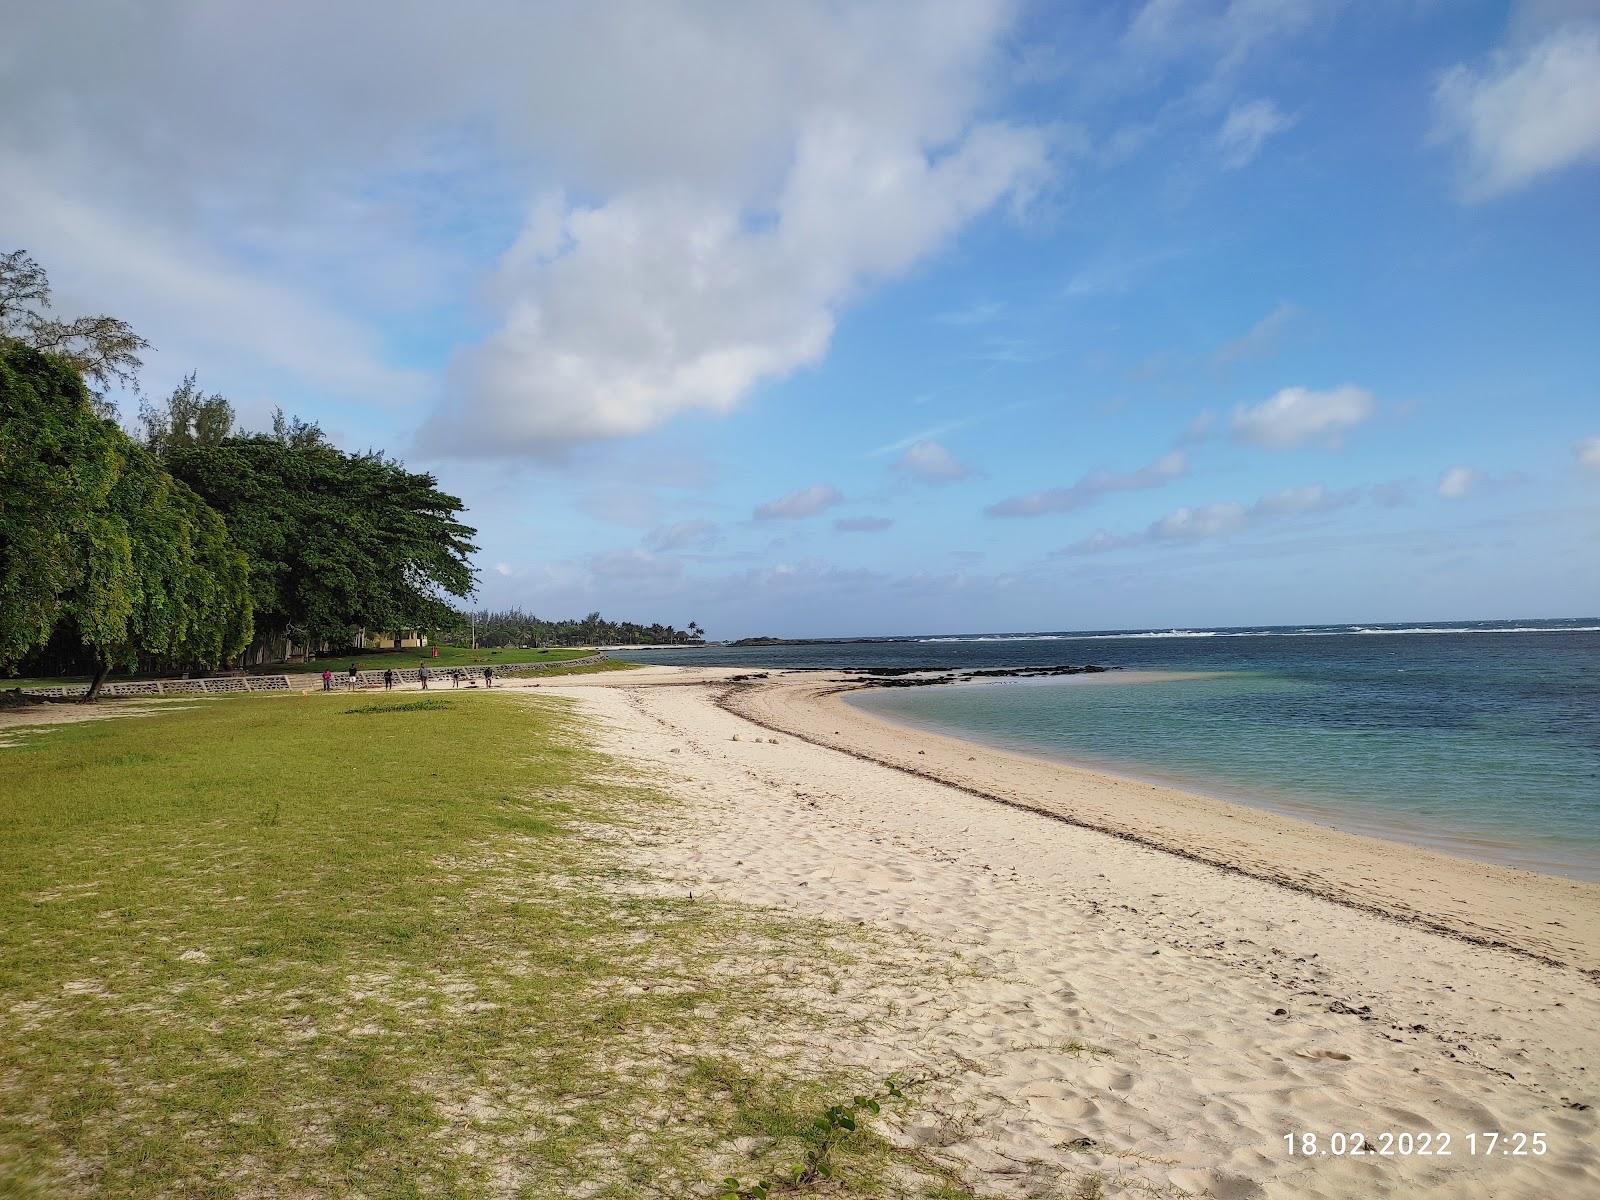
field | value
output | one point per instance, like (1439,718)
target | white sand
(1172,969)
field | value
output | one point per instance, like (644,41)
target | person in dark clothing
(388,679)
(355,676)
(488,677)
(422,674)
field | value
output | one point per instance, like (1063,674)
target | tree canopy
(58,464)
(187,417)
(335,541)
(513,627)
(100,548)
(103,349)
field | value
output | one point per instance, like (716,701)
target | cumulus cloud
(1588,453)
(1206,521)
(1090,488)
(807,502)
(1459,482)
(1246,129)
(862,524)
(1297,415)
(671,296)
(1527,112)
(929,462)
(701,189)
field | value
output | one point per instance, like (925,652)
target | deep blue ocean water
(1478,738)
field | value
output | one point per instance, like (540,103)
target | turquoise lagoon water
(1481,739)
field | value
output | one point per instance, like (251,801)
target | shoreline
(1553,919)
(1378,827)
(1086,1003)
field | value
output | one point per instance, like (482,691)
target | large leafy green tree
(189,589)
(335,541)
(105,350)
(58,465)
(100,548)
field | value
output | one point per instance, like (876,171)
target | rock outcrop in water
(933,676)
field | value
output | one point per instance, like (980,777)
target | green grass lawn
(381,946)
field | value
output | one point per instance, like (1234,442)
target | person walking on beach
(422,674)
(388,679)
(327,681)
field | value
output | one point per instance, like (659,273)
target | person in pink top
(327,681)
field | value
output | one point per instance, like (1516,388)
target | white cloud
(1209,520)
(198,309)
(701,189)
(1311,498)
(671,296)
(1527,113)
(925,435)
(1588,453)
(807,502)
(1206,521)
(862,524)
(929,462)
(1459,482)
(1091,487)
(1248,126)
(1297,415)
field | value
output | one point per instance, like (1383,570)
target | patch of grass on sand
(250,948)
(403,706)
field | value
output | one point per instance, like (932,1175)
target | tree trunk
(100,671)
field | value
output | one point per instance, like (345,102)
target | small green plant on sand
(826,1131)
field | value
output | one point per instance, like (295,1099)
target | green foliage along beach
(199,545)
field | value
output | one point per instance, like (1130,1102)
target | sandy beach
(1121,986)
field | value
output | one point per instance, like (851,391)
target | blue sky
(881,318)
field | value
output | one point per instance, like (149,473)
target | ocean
(1481,739)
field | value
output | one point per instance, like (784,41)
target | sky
(828,319)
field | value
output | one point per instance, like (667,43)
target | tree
(335,541)
(513,627)
(103,349)
(102,549)
(187,417)
(58,464)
